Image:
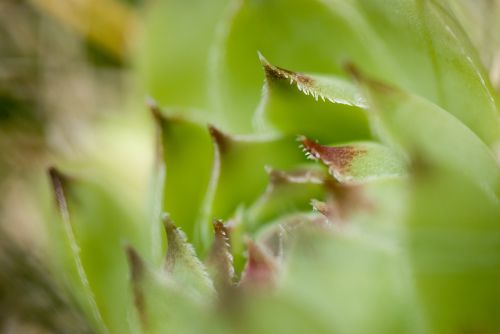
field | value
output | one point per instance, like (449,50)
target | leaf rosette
(355,191)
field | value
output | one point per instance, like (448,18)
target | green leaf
(278,235)
(339,284)
(326,108)
(186,152)
(413,44)
(454,244)
(182,263)
(239,175)
(160,304)
(356,162)
(261,269)
(286,193)
(96,225)
(174,57)
(421,128)
(69,250)
(220,260)
(335,90)
(432,57)
(294,34)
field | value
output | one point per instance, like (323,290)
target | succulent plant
(391,226)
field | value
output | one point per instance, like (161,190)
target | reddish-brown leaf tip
(321,207)
(137,268)
(221,232)
(172,242)
(155,110)
(135,262)
(260,269)
(354,71)
(167,222)
(220,139)
(220,258)
(57,180)
(275,72)
(338,158)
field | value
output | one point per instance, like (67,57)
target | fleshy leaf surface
(286,192)
(220,260)
(321,278)
(261,268)
(433,58)
(159,303)
(238,174)
(454,248)
(186,152)
(356,162)
(413,44)
(421,128)
(263,26)
(98,224)
(325,108)
(183,265)
(174,57)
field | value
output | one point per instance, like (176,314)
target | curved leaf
(454,246)
(239,175)
(174,56)
(305,25)
(182,264)
(159,303)
(186,152)
(356,162)
(97,225)
(422,129)
(286,192)
(332,112)
(413,44)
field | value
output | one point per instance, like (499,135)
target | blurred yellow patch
(108,23)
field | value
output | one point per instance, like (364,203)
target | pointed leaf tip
(56,180)
(220,139)
(339,157)
(178,248)
(358,161)
(135,262)
(352,70)
(260,269)
(274,72)
(137,268)
(321,207)
(264,62)
(221,231)
(155,110)
(167,222)
(220,258)
(181,262)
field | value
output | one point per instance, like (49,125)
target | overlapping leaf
(186,152)
(356,162)
(239,175)
(421,128)
(454,238)
(95,227)
(297,103)
(413,44)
